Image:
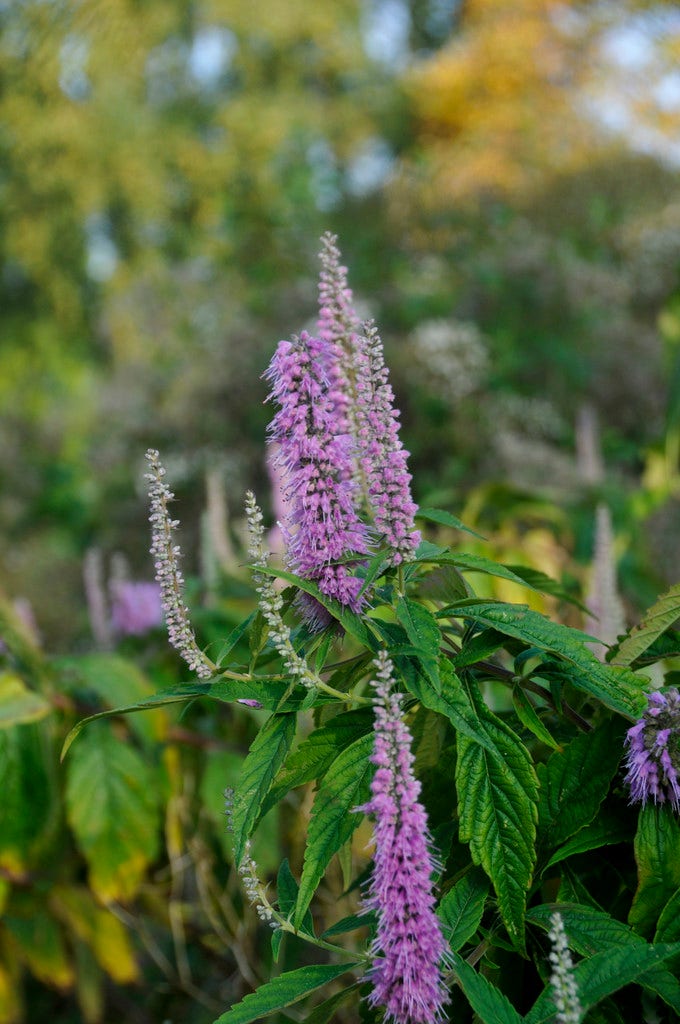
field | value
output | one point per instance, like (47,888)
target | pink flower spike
(409,946)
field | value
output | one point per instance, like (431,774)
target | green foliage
(283,991)
(461,910)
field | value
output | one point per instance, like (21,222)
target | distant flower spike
(168,573)
(653,758)
(409,946)
(254,889)
(322,527)
(562,980)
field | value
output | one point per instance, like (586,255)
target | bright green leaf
(282,991)
(265,757)
(345,786)
(497,794)
(423,632)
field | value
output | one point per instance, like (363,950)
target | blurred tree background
(504,179)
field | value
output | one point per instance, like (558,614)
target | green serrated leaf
(287,894)
(283,991)
(604,830)
(325,1011)
(497,796)
(443,518)
(423,632)
(617,688)
(528,716)
(575,781)
(668,928)
(546,585)
(655,621)
(590,930)
(237,633)
(477,563)
(350,924)
(461,909)
(112,805)
(485,999)
(479,647)
(452,701)
(18,704)
(315,754)
(604,973)
(657,853)
(375,569)
(257,636)
(265,757)
(345,786)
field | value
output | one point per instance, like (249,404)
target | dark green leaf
(657,853)
(528,716)
(443,518)
(461,909)
(480,647)
(617,688)
(236,634)
(546,584)
(604,973)
(318,751)
(452,701)
(287,893)
(345,786)
(668,928)
(325,1011)
(476,563)
(604,830)
(264,759)
(282,991)
(497,794)
(485,999)
(423,631)
(575,781)
(590,931)
(350,924)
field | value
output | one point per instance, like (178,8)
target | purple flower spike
(409,946)
(322,526)
(135,607)
(653,757)
(383,458)
(373,420)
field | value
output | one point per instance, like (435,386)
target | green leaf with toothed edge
(657,854)
(497,797)
(617,688)
(423,632)
(346,785)
(656,620)
(265,757)
(443,518)
(575,781)
(461,909)
(590,930)
(283,991)
(485,999)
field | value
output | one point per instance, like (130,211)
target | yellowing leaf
(99,930)
(18,704)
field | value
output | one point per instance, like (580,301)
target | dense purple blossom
(322,526)
(409,946)
(135,607)
(373,419)
(653,757)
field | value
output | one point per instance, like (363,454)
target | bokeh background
(504,179)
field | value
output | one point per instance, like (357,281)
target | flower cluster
(168,573)
(254,889)
(562,980)
(373,419)
(653,756)
(322,526)
(409,946)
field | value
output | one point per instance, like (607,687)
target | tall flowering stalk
(381,459)
(562,980)
(607,620)
(409,946)
(168,573)
(322,526)
(653,757)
